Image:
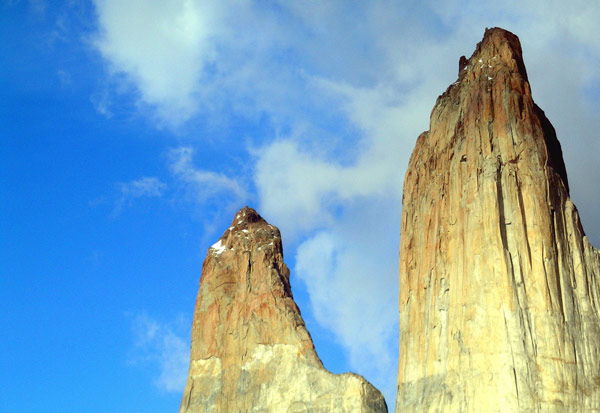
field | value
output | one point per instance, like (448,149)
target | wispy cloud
(214,194)
(146,186)
(64,77)
(150,187)
(101,102)
(202,185)
(164,345)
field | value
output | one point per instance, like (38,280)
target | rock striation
(251,351)
(499,286)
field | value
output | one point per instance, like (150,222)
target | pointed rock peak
(250,348)
(248,219)
(495,97)
(500,42)
(247,216)
(248,231)
(499,49)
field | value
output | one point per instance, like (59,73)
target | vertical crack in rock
(251,351)
(501,211)
(494,263)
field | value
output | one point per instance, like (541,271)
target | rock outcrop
(499,286)
(251,351)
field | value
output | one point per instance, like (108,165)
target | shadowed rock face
(251,351)
(499,290)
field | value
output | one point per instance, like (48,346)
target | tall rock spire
(499,286)
(251,351)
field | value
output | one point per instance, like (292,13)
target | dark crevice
(557,228)
(516,386)
(249,273)
(555,156)
(512,354)
(501,219)
(523,218)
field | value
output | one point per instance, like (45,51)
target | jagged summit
(499,49)
(246,216)
(248,231)
(251,351)
(499,287)
(493,83)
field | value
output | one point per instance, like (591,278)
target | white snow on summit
(218,247)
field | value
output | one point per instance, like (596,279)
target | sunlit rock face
(499,297)
(251,351)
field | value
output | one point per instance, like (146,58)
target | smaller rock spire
(251,350)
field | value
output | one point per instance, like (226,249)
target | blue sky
(131,132)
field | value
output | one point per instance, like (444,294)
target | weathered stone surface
(499,289)
(251,351)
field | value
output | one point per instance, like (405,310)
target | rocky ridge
(251,351)
(499,286)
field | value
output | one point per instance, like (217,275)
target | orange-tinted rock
(499,289)
(251,351)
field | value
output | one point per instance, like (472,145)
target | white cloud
(350,273)
(163,47)
(146,186)
(293,186)
(166,347)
